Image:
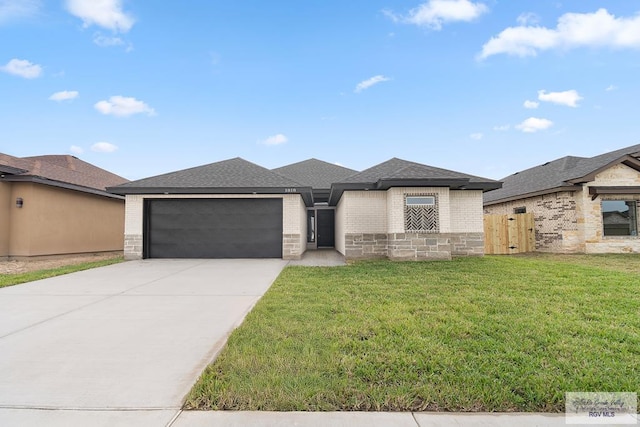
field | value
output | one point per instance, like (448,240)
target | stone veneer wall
(414,246)
(594,240)
(555,217)
(291,247)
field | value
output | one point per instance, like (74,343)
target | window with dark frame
(421,213)
(520,210)
(619,217)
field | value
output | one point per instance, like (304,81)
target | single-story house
(58,205)
(237,209)
(579,204)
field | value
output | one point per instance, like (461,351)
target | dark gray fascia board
(11,170)
(484,186)
(595,191)
(321,195)
(452,183)
(534,194)
(339,188)
(60,184)
(304,192)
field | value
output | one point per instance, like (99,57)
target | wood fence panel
(509,234)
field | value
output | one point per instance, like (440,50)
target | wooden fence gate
(509,234)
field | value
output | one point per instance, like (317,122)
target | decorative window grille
(421,213)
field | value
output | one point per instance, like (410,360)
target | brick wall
(466,211)
(133,227)
(364,211)
(294,227)
(340,220)
(556,220)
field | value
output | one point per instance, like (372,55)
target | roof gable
(560,175)
(315,173)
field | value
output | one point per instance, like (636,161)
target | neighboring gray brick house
(237,209)
(579,204)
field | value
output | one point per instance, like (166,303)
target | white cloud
(366,84)
(64,95)
(532,105)
(101,40)
(105,41)
(22,68)
(598,29)
(477,136)
(611,87)
(528,18)
(15,9)
(502,128)
(569,98)
(123,106)
(103,13)
(534,124)
(76,150)
(275,140)
(435,13)
(104,147)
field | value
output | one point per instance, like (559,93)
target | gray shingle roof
(315,173)
(398,169)
(232,173)
(555,174)
(397,172)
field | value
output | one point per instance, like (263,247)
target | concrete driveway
(127,338)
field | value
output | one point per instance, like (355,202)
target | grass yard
(30,276)
(473,334)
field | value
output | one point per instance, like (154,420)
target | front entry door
(325,228)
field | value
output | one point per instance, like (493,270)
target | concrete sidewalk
(165,418)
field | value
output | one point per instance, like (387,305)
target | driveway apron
(130,336)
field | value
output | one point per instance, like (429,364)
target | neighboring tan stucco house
(579,204)
(237,209)
(57,205)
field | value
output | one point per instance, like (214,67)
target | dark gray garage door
(213,228)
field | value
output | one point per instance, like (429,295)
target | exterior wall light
(19,202)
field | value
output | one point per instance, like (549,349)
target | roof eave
(11,170)
(451,183)
(534,194)
(626,160)
(304,192)
(339,188)
(60,184)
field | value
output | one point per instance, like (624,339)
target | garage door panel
(214,228)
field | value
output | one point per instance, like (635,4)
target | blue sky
(485,87)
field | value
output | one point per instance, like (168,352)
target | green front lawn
(473,334)
(30,276)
